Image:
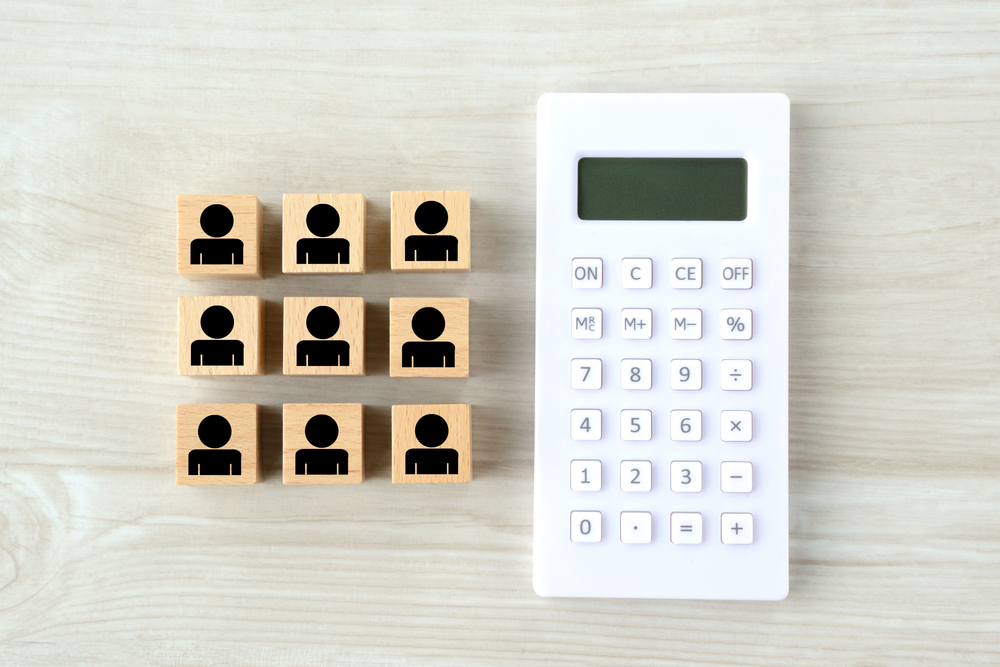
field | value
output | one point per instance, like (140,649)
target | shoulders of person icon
(217,322)
(321,431)
(322,323)
(430,218)
(323,220)
(216,222)
(431,431)
(214,431)
(428,324)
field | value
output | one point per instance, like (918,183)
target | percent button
(736,324)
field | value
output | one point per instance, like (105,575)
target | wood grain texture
(239,449)
(198,350)
(246,211)
(351,210)
(109,111)
(457,442)
(350,437)
(351,330)
(404,227)
(405,346)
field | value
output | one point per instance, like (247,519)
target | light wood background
(107,113)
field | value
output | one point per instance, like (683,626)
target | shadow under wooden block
(218,444)
(324,335)
(219,236)
(429,338)
(323,443)
(431,444)
(323,234)
(430,231)
(220,335)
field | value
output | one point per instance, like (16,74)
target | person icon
(216,221)
(217,322)
(214,431)
(321,431)
(431,431)
(322,322)
(323,220)
(428,323)
(430,217)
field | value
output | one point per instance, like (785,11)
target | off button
(737,274)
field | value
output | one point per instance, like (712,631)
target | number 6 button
(685,425)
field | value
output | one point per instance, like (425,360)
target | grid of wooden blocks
(219,237)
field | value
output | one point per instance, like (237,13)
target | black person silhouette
(217,322)
(428,324)
(431,217)
(322,322)
(321,431)
(431,431)
(323,220)
(216,221)
(214,431)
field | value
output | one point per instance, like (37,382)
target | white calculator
(661,346)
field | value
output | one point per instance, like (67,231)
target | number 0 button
(585,526)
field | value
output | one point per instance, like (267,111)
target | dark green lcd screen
(659,188)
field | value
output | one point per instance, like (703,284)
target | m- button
(685,273)
(736,274)
(588,273)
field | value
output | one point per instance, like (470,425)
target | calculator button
(685,374)
(685,476)
(637,527)
(737,426)
(586,373)
(588,273)
(585,424)
(685,323)
(685,527)
(737,375)
(737,477)
(637,323)
(737,274)
(736,324)
(587,322)
(636,476)
(737,528)
(636,425)
(585,526)
(685,425)
(637,374)
(685,273)
(585,475)
(637,273)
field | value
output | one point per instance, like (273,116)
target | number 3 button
(685,476)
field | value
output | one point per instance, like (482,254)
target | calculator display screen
(619,188)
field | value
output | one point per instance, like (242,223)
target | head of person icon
(321,431)
(428,324)
(214,432)
(322,221)
(217,322)
(217,221)
(431,217)
(323,323)
(431,431)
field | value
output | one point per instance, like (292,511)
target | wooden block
(323,234)
(323,443)
(218,444)
(435,439)
(430,232)
(219,236)
(220,335)
(429,338)
(324,335)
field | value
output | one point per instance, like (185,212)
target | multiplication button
(736,274)
(588,273)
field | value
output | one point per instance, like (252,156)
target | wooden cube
(429,338)
(323,443)
(323,234)
(430,232)
(324,335)
(220,335)
(431,444)
(219,236)
(218,444)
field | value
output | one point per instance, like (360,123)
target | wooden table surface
(107,113)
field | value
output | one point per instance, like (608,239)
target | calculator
(661,346)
